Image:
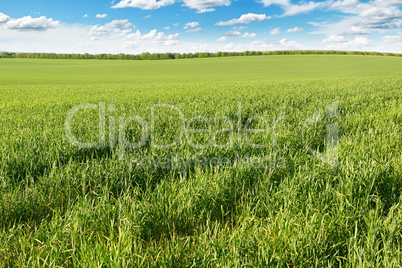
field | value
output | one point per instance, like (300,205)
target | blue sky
(136,26)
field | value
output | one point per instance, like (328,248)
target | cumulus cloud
(205,10)
(244,19)
(232,33)
(275,31)
(249,35)
(112,29)
(341,42)
(85,16)
(335,39)
(235,33)
(4,18)
(361,41)
(120,24)
(195,30)
(289,43)
(28,23)
(155,37)
(167,28)
(357,30)
(294,30)
(101,16)
(202,6)
(191,24)
(143,4)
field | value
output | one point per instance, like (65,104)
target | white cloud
(294,30)
(28,23)
(361,41)
(101,16)
(239,28)
(130,44)
(292,10)
(378,12)
(345,4)
(196,30)
(275,31)
(289,43)
(318,24)
(341,42)
(387,3)
(205,5)
(74,39)
(267,3)
(392,39)
(175,24)
(120,24)
(167,28)
(271,44)
(337,28)
(155,37)
(143,4)
(113,29)
(191,25)
(249,35)
(101,31)
(357,30)
(244,19)
(147,16)
(85,16)
(236,33)
(232,33)
(62,39)
(375,14)
(201,6)
(335,39)
(205,10)
(4,18)
(229,46)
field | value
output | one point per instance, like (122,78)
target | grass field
(214,198)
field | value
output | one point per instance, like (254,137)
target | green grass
(65,206)
(42,71)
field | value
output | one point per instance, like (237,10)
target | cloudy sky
(135,26)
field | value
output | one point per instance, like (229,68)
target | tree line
(165,56)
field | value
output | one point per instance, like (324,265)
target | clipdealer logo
(117,135)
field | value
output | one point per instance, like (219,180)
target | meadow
(214,198)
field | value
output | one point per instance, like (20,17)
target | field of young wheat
(268,161)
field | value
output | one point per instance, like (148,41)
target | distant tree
(158,56)
(5,55)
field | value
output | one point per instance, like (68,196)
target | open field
(215,198)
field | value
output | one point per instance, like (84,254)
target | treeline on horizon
(166,56)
